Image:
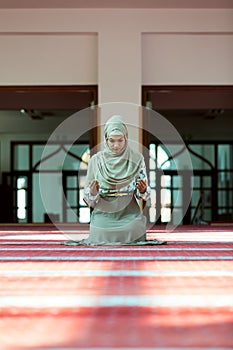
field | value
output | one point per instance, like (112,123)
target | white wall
(34,59)
(119,49)
(187,58)
(49,46)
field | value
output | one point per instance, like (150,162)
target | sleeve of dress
(90,200)
(143,175)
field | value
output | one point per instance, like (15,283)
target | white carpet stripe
(78,248)
(25,242)
(116,273)
(148,231)
(154,348)
(112,258)
(41,242)
(45,301)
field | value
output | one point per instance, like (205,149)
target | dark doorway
(36,104)
(203,116)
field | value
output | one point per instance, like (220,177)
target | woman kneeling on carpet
(116,181)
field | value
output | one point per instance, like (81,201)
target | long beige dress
(116,218)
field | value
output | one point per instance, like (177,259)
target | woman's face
(116,143)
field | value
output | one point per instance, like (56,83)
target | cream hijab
(114,171)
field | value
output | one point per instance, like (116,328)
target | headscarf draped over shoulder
(114,170)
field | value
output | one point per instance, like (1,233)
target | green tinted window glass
(21,157)
(202,156)
(225,157)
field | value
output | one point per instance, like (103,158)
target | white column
(119,74)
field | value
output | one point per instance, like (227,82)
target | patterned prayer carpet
(176,296)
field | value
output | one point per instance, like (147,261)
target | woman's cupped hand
(94,187)
(141,185)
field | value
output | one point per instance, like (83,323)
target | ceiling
(198,112)
(31,121)
(47,97)
(204,112)
(40,109)
(189,97)
(198,124)
(173,4)
(205,124)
